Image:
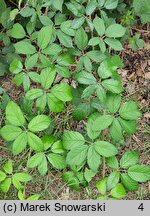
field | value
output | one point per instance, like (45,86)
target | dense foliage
(65,57)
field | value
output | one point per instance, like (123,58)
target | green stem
(104,167)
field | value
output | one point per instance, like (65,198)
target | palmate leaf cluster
(64,54)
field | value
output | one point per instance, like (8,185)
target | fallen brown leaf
(147,76)
(147,115)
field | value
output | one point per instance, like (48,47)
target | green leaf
(115,31)
(18,31)
(112,85)
(35,142)
(88,91)
(31,61)
(22,177)
(20,143)
(65,59)
(58,4)
(13,14)
(94,41)
(142,9)
(128,126)
(87,63)
(59,18)
(14,114)
(81,39)
(113,102)
(129,158)
(66,27)
(63,71)
(89,174)
(116,130)
(44,36)
(43,166)
(101,94)
(129,183)
(35,160)
(91,133)
(27,11)
(26,82)
(41,103)
(57,147)
(64,39)
(39,123)
(47,77)
(77,22)
(86,78)
(77,155)
(21,195)
(101,186)
(112,162)
(139,173)
(2,176)
(62,91)
(129,111)
(75,8)
(48,140)
(8,167)
(24,47)
(18,79)
(80,112)
(114,44)
(71,180)
(9,132)
(45,60)
(102,122)
(101,2)
(45,20)
(72,139)
(52,49)
(91,6)
(5,185)
(105,149)
(113,180)
(99,25)
(93,159)
(57,161)
(33,94)
(34,197)
(111,4)
(16,66)
(54,104)
(118,192)
(90,24)
(105,70)
(34,76)
(17,184)
(96,55)
(102,46)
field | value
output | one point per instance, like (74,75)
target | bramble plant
(128,172)
(8,177)
(66,54)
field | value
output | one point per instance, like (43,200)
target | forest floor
(136,80)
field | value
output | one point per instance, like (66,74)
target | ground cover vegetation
(72,115)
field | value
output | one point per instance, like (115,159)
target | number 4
(141,207)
